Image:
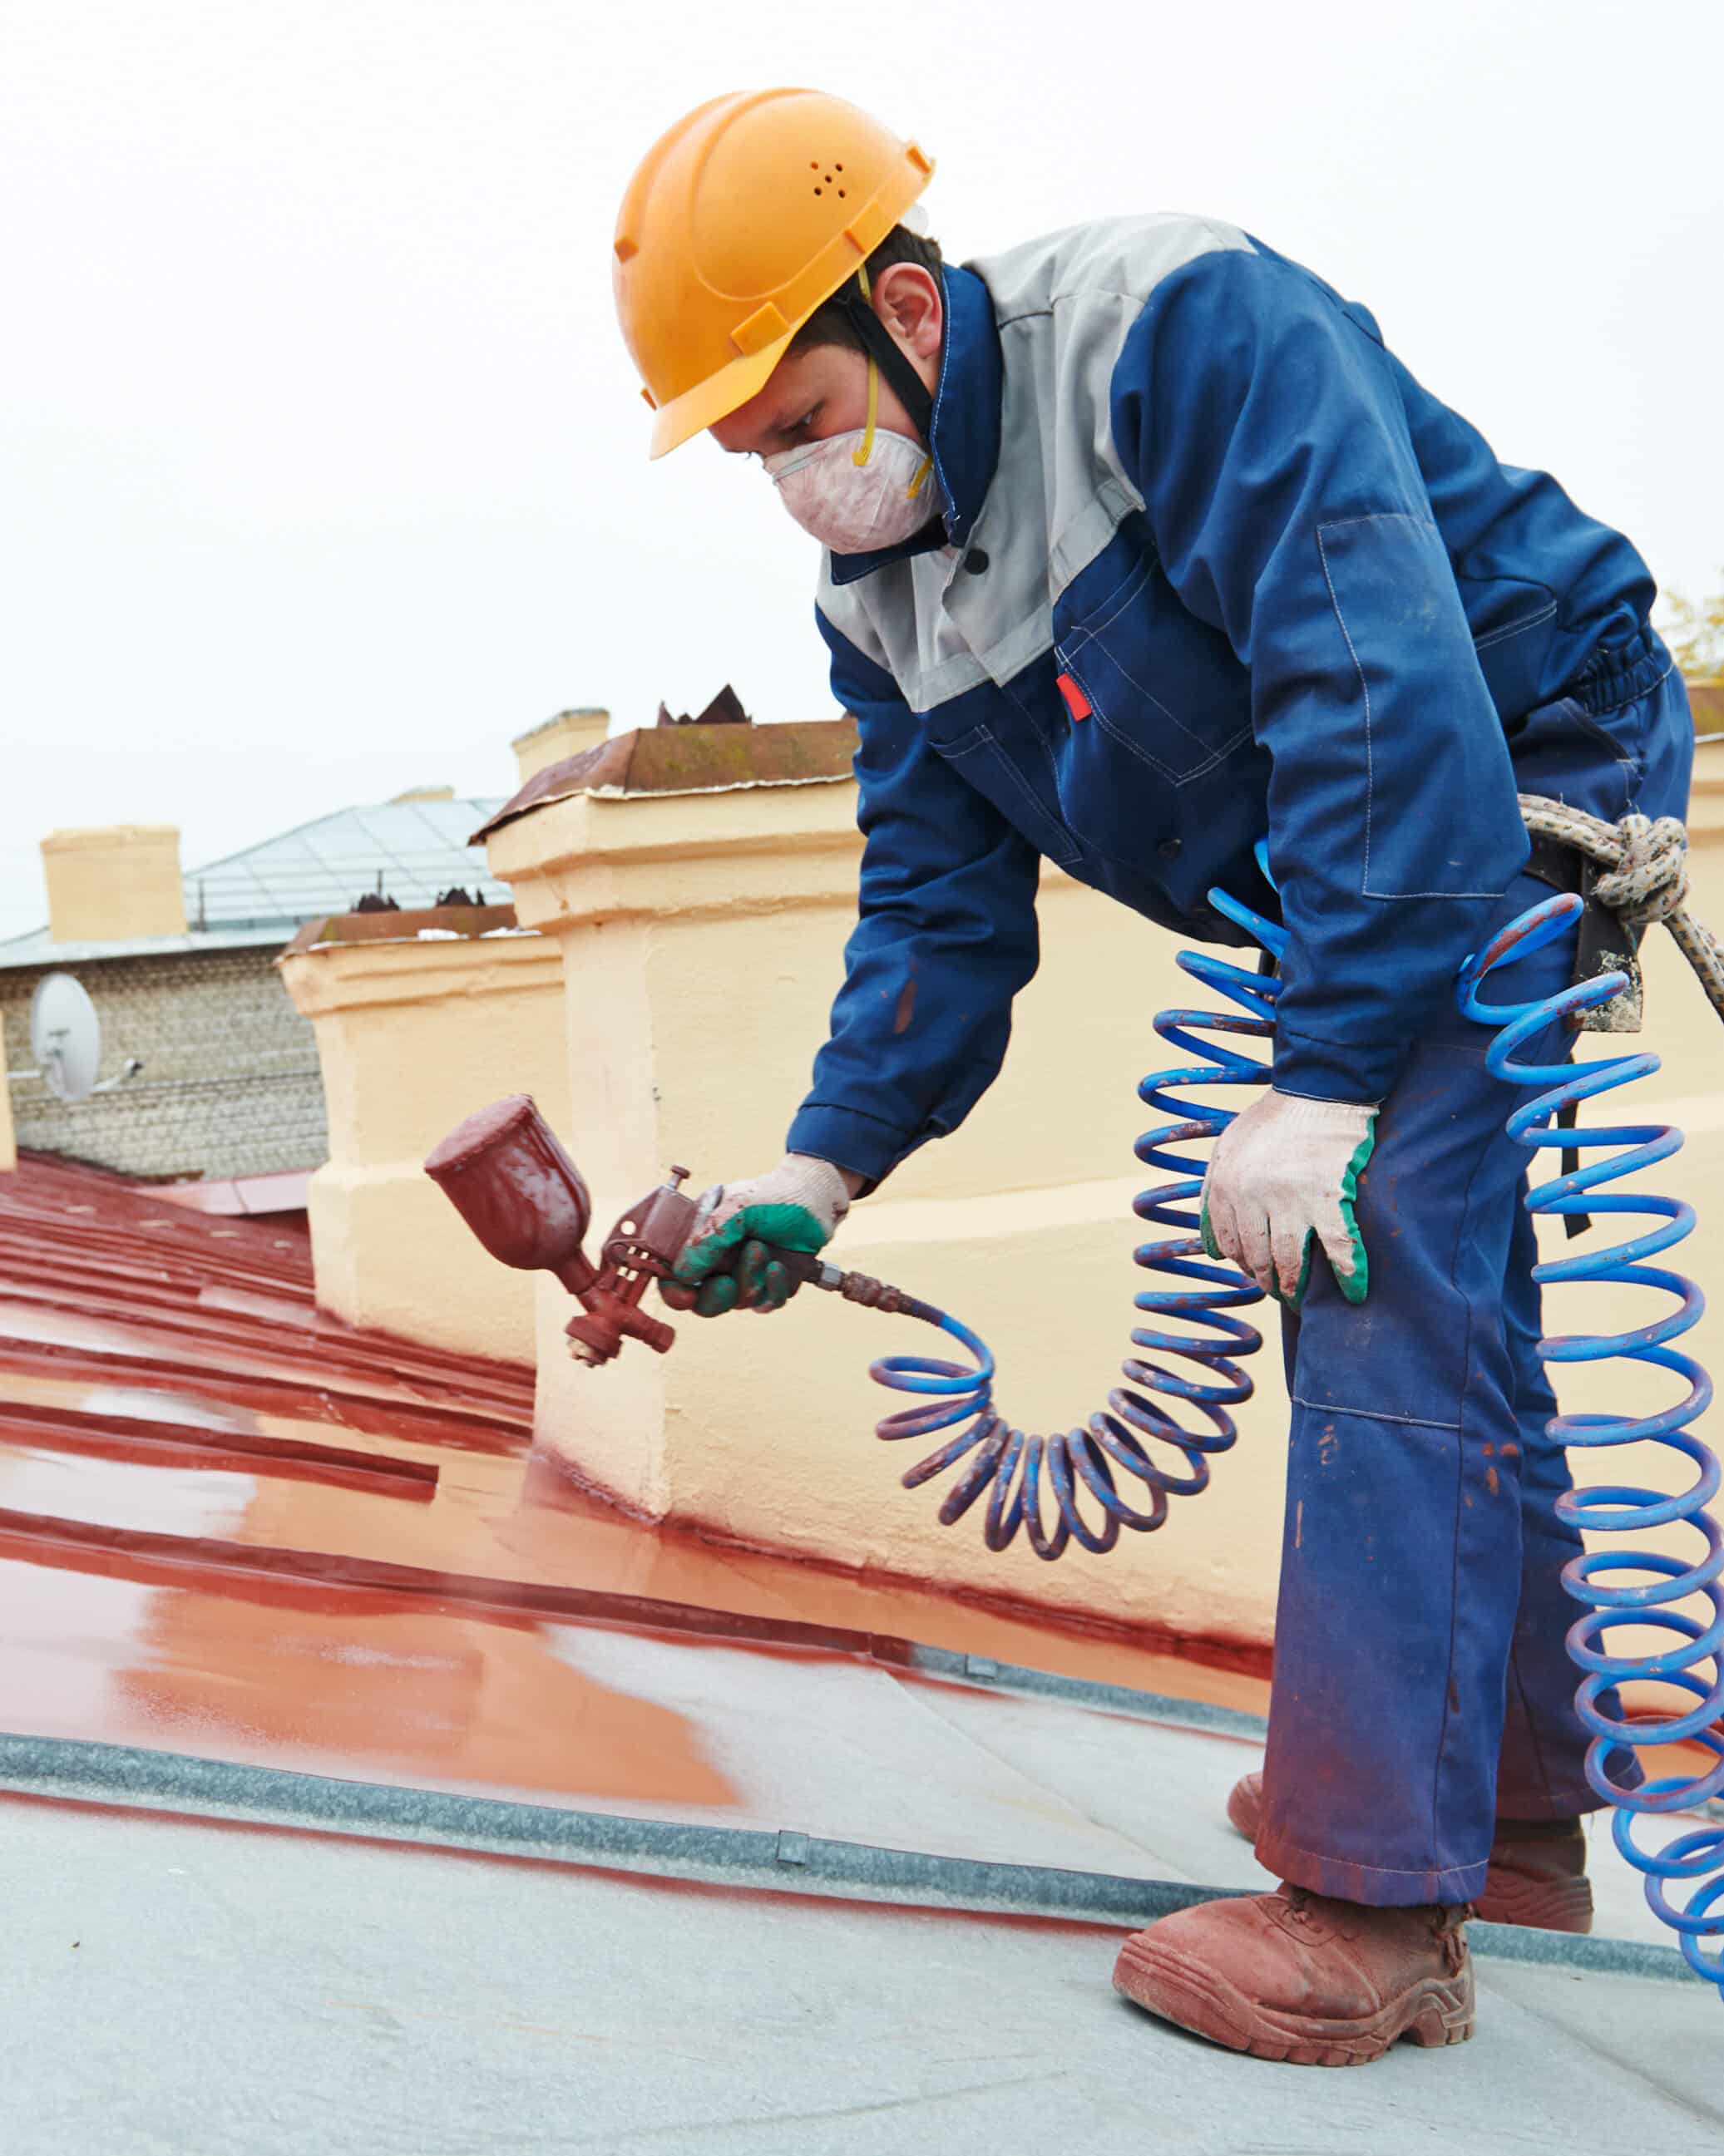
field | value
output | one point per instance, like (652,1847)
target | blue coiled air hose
(1696,1858)
(1113,1447)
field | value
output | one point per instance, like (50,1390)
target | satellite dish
(65,1037)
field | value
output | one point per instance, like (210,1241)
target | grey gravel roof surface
(189,1970)
(175,1988)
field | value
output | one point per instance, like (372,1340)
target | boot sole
(1168,1983)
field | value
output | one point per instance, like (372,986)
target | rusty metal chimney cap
(659,760)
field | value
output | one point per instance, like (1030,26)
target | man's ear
(908,298)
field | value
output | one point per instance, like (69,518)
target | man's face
(813,395)
(810,397)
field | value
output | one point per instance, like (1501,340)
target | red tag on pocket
(1077,703)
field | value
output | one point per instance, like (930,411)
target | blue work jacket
(1212,564)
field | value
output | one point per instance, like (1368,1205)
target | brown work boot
(1538,1867)
(1538,1876)
(1296,1976)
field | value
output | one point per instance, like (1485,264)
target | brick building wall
(230,1084)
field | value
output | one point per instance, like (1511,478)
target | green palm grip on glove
(1355,1285)
(734,1267)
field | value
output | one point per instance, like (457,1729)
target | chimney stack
(107,886)
(566,735)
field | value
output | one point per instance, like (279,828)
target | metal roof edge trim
(1022,1682)
(654,793)
(72,1770)
(681,793)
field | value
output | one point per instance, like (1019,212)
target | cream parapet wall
(411,1032)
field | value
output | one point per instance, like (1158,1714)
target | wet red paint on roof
(233,1526)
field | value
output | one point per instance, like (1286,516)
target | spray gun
(510,1181)
(526,1202)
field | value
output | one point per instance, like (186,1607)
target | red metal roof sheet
(231,1524)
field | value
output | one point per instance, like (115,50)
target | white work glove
(1283,1175)
(728,1257)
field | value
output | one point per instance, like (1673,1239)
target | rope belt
(1638,875)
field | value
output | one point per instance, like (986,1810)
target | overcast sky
(324,469)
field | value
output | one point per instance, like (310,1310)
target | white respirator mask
(856,492)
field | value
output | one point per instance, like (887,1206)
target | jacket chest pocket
(1015,790)
(1167,688)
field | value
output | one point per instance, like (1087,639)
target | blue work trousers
(1422,1687)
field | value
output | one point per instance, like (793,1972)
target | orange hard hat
(737,223)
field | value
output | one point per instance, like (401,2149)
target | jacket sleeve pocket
(1432,756)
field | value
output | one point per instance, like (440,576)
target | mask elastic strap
(882,348)
(862,456)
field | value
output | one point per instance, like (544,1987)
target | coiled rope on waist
(1646,879)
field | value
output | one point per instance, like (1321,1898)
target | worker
(1139,543)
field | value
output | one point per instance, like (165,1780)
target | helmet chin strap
(884,349)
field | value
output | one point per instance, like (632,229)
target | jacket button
(975,560)
(1170,849)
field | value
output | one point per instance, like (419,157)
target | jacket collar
(965,442)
